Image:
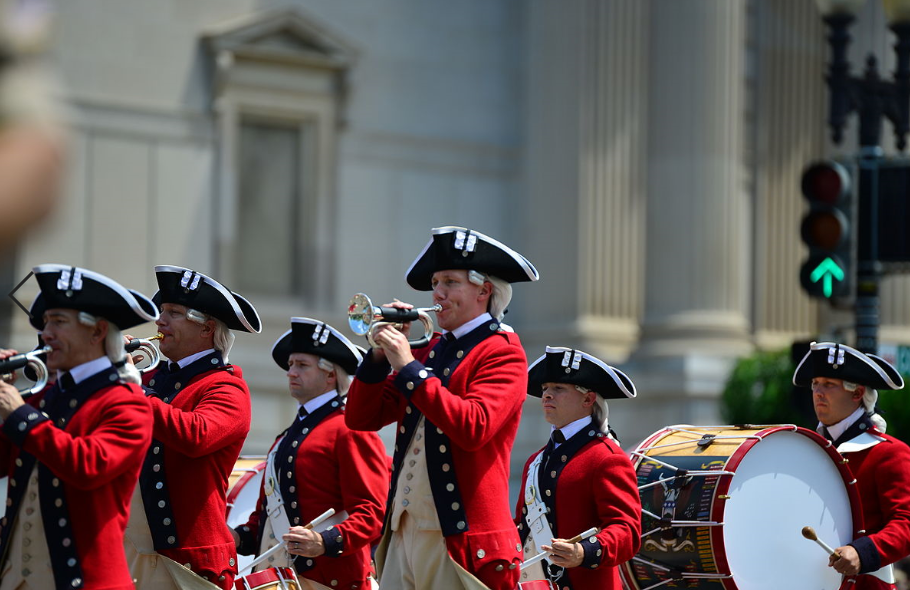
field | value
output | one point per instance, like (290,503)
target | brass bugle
(364,318)
(32,359)
(145,347)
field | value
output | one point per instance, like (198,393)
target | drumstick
(577,538)
(809,533)
(283,544)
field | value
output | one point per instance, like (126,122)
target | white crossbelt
(274,503)
(538,525)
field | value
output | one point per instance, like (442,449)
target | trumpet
(33,360)
(145,346)
(364,318)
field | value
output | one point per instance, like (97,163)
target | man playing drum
(319,463)
(457,403)
(843,382)
(72,451)
(581,479)
(201,410)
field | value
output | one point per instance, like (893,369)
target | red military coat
(201,430)
(479,411)
(335,467)
(882,474)
(95,455)
(595,487)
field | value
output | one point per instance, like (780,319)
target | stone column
(697,271)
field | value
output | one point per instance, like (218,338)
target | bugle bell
(364,318)
(145,346)
(32,360)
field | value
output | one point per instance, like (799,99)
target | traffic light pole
(868,268)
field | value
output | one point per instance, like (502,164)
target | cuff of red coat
(373,371)
(411,377)
(869,559)
(593,553)
(20,423)
(247,536)
(333,541)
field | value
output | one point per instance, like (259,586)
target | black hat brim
(592,373)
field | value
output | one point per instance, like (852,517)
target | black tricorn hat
(71,287)
(317,338)
(566,365)
(460,248)
(183,286)
(837,361)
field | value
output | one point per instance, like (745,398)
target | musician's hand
(564,554)
(10,399)
(846,561)
(235,536)
(405,327)
(305,542)
(5,353)
(395,345)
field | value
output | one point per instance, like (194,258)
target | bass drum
(723,507)
(273,578)
(243,493)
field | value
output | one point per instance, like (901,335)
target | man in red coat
(201,410)
(316,464)
(581,479)
(457,403)
(844,382)
(72,452)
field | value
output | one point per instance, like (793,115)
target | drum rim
(235,489)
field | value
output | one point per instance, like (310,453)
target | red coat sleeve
(614,485)
(891,471)
(221,416)
(373,400)
(122,432)
(495,385)
(364,477)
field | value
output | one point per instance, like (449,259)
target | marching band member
(319,463)
(457,403)
(844,382)
(201,410)
(72,452)
(581,479)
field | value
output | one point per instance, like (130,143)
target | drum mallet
(283,544)
(576,539)
(809,533)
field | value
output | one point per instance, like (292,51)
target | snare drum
(274,578)
(723,507)
(537,585)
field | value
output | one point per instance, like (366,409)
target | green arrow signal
(827,271)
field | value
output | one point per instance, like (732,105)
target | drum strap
(538,525)
(274,503)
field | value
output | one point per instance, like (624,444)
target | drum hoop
(248,474)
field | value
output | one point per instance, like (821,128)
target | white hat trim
(529,270)
(610,370)
(325,331)
(231,297)
(106,281)
(859,356)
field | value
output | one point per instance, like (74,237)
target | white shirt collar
(836,430)
(193,357)
(572,428)
(318,401)
(85,370)
(468,326)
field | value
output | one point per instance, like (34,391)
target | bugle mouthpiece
(157,336)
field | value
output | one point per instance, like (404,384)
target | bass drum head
(782,483)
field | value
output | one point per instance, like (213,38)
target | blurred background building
(645,155)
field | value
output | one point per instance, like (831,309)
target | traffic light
(827,229)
